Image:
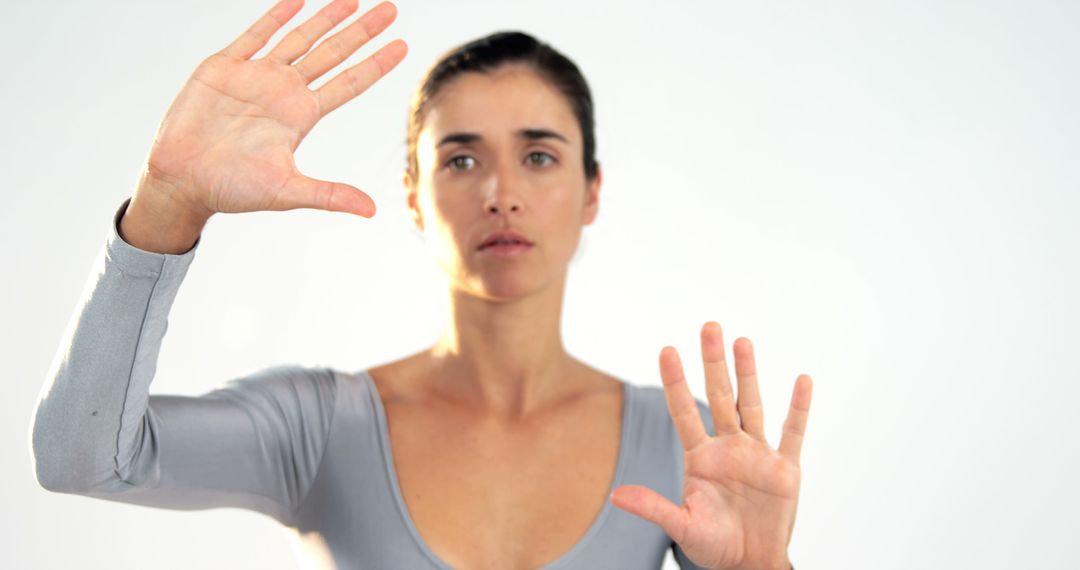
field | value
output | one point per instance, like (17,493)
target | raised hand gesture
(739,494)
(226,144)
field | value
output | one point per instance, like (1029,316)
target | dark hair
(488,53)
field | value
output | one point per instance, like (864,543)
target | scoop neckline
(580,545)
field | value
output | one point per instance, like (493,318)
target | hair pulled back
(484,55)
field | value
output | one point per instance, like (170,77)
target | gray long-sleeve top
(306,446)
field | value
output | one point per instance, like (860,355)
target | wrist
(157,221)
(785,566)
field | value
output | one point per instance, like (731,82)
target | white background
(879,194)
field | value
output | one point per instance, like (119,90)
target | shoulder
(282,376)
(288,389)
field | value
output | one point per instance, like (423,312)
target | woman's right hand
(226,143)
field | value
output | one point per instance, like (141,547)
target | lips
(504,238)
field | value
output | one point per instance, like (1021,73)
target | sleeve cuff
(137,261)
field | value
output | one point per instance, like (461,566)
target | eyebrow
(530,134)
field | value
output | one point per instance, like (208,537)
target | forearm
(96,392)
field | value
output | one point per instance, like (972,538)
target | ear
(412,200)
(592,197)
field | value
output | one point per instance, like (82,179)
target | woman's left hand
(739,494)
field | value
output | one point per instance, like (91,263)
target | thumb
(653,507)
(303,192)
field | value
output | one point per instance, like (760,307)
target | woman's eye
(540,158)
(461,163)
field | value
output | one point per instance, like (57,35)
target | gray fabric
(307,446)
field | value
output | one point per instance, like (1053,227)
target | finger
(751,413)
(255,37)
(653,507)
(341,45)
(297,42)
(795,425)
(717,382)
(355,80)
(680,402)
(304,192)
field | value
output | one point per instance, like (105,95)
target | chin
(504,291)
(501,288)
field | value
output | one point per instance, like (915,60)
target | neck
(503,358)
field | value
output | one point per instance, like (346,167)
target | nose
(504,206)
(504,196)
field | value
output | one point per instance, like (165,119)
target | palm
(228,139)
(256,113)
(739,494)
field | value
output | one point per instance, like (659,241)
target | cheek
(566,201)
(453,216)
(561,211)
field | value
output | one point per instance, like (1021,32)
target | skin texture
(502,343)
(739,494)
(499,366)
(466,190)
(498,388)
(226,143)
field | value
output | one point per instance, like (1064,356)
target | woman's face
(501,151)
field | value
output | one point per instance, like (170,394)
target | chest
(486,496)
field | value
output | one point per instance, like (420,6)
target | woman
(493,448)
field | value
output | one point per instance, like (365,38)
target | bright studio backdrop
(882,195)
